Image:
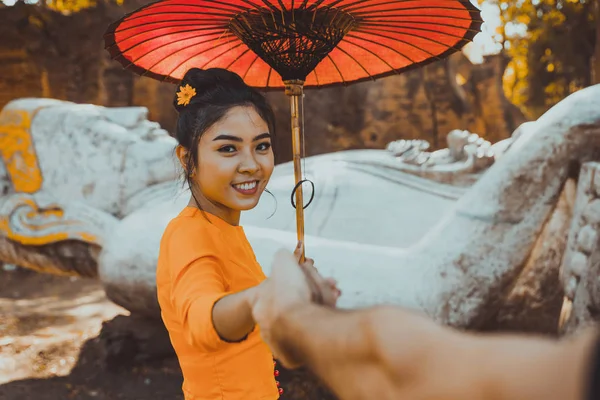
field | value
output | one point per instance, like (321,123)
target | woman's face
(235,160)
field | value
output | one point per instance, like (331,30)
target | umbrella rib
(367,14)
(416,29)
(122,39)
(400,25)
(442,17)
(376,55)
(195,23)
(361,5)
(269,5)
(269,76)
(317,3)
(467,6)
(228,3)
(167,44)
(158,5)
(196,54)
(316,76)
(226,12)
(249,67)
(256,6)
(393,38)
(338,69)
(209,61)
(349,5)
(153,14)
(333,4)
(152,38)
(159,61)
(337,12)
(382,45)
(413,46)
(356,61)
(238,58)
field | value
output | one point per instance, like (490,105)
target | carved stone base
(69,257)
(581,266)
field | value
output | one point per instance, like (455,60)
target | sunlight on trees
(64,6)
(551,47)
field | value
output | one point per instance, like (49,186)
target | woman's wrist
(250,297)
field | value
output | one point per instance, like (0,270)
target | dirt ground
(49,346)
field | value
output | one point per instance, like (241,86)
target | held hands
(324,290)
(289,287)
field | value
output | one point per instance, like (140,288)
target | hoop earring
(274,198)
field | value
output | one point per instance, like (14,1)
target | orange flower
(185,94)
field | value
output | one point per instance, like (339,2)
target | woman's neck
(228,215)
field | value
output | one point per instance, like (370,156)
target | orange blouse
(199,262)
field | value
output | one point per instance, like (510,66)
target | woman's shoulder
(187,230)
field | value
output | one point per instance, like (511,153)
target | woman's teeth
(246,186)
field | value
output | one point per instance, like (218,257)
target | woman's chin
(244,205)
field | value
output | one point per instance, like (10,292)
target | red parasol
(287,44)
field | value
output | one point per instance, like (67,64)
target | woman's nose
(248,164)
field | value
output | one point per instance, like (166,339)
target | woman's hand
(324,290)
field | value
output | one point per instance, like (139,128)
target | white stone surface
(97,155)
(27,220)
(450,266)
(587,239)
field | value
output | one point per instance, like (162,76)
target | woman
(207,274)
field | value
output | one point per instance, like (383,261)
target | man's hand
(289,286)
(324,290)
(286,288)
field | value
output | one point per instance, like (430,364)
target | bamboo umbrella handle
(294,90)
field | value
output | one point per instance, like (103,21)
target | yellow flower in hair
(185,94)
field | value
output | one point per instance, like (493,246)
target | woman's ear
(182,155)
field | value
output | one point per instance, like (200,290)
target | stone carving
(581,267)
(480,257)
(466,156)
(484,257)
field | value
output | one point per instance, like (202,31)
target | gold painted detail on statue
(18,152)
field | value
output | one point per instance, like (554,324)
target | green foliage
(71,6)
(551,45)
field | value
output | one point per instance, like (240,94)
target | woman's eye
(264,146)
(227,149)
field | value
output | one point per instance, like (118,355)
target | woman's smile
(247,188)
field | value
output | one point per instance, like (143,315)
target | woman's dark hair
(217,91)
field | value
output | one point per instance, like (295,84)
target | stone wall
(48,54)
(581,266)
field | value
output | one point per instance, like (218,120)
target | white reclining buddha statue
(473,235)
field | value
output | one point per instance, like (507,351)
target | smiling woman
(207,272)
(235,163)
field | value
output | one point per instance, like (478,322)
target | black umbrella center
(292,42)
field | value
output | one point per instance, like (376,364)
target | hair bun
(205,83)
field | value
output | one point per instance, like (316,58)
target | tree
(596,60)
(551,44)
(64,6)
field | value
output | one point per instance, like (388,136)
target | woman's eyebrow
(265,135)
